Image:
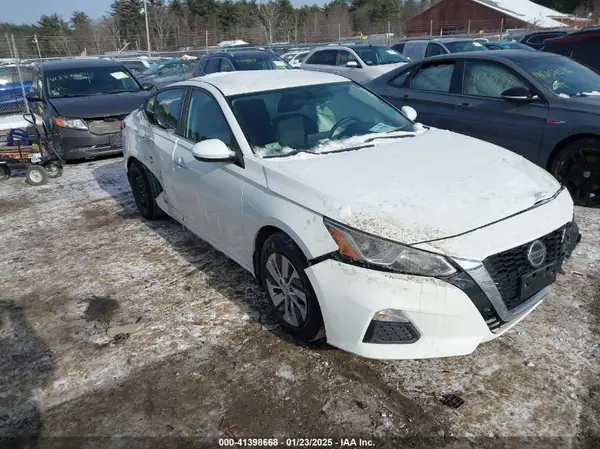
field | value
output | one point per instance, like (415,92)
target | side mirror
(33,96)
(212,150)
(148,86)
(410,112)
(519,94)
(352,64)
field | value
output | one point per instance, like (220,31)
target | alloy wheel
(286,290)
(580,172)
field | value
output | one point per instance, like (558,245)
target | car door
(342,58)
(157,134)
(430,89)
(210,193)
(485,115)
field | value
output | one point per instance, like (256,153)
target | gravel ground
(202,357)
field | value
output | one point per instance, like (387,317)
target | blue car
(11,93)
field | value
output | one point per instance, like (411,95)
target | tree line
(186,24)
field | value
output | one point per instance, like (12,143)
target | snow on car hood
(435,185)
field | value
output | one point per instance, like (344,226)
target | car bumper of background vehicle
(79,144)
(443,319)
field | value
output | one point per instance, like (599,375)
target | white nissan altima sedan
(390,239)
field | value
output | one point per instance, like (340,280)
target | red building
(473,16)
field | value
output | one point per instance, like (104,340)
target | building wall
(452,17)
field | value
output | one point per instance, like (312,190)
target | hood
(590,104)
(99,105)
(432,186)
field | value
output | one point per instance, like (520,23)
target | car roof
(510,55)
(78,63)
(250,81)
(245,53)
(441,40)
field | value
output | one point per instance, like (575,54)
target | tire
(54,169)
(36,175)
(5,172)
(145,188)
(308,326)
(577,167)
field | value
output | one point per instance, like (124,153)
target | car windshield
(172,68)
(248,62)
(562,76)
(317,119)
(90,81)
(380,55)
(135,66)
(464,46)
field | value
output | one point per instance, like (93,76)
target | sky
(29,11)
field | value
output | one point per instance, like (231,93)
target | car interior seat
(293,127)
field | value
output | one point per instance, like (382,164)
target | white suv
(360,63)
(391,239)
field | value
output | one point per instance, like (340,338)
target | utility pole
(16,53)
(37,44)
(147,26)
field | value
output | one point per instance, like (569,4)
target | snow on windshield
(328,146)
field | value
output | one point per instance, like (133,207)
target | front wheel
(36,175)
(578,168)
(282,266)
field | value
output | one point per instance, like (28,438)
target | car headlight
(72,123)
(359,247)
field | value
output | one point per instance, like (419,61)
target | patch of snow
(526,11)
(564,96)
(593,93)
(337,145)
(286,372)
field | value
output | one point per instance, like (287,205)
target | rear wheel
(145,188)
(36,175)
(578,168)
(54,169)
(5,172)
(282,266)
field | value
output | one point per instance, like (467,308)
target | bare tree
(267,16)
(98,32)
(162,24)
(112,26)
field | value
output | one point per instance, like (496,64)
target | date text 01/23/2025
(295,442)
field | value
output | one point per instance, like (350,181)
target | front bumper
(447,318)
(80,144)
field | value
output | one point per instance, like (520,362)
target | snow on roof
(527,11)
(248,81)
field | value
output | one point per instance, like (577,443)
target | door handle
(465,106)
(179,162)
(405,96)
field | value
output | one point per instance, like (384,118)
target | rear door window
(323,57)
(434,50)
(434,77)
(167,108)
(399,47)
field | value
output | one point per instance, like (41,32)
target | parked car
(139,65)
(583,47)
(230,61)
(78,105)
(295,58)
(11,91)
(539,105)
(537,38)
(167,73)
(424,48)
(506,45)
(391,239)
(359,63)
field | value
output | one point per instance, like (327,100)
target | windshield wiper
(293,153)
(120,91)
(402,136)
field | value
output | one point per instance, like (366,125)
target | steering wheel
(335,127)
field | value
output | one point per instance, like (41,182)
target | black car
(78,105)
(231,61)
(543,106)
(582,46)
(536,39)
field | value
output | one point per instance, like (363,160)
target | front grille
(390,332)
(507,268)
(105,125)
